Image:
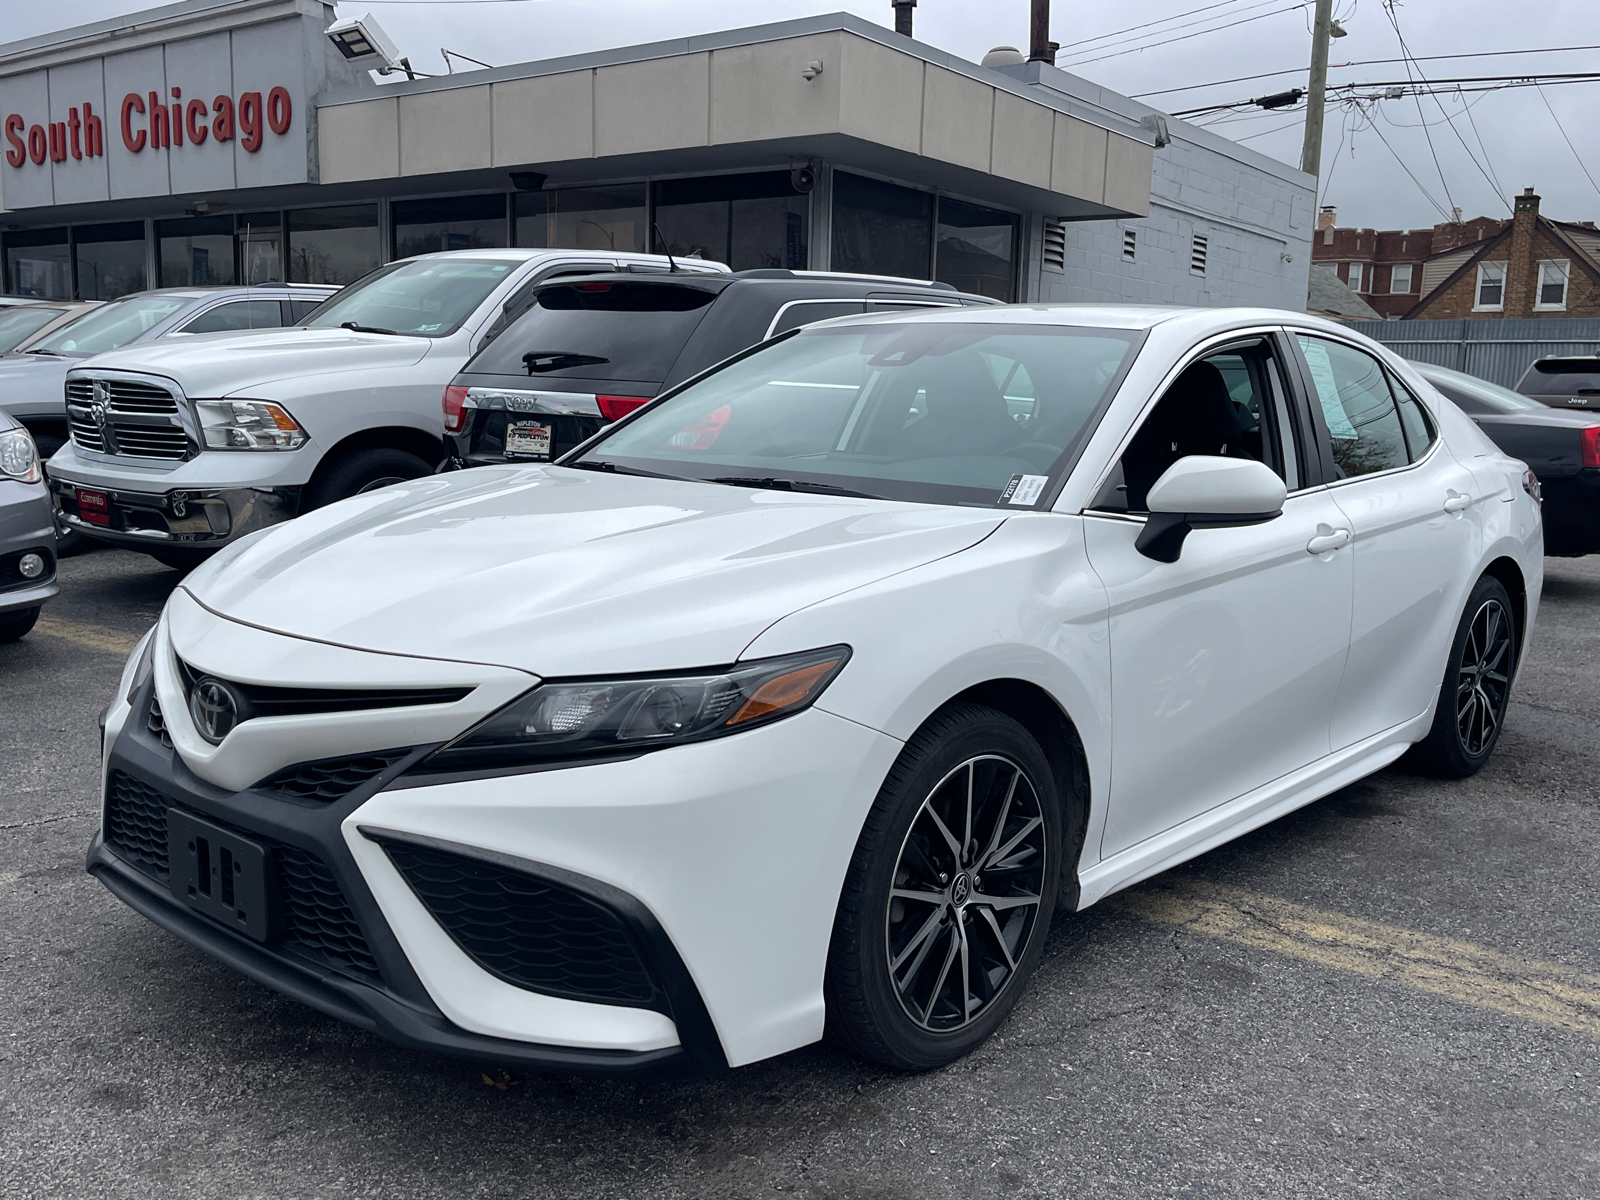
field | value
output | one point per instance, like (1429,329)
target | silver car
(27,533)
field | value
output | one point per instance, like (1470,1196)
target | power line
(1368,62)
(1186,36)
(1473,121)
(1568,141)
(1426,194)
(1070,46)
(1452,84)
(1388,10)
(1085,47)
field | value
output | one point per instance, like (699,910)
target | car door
(1408,502)
(1225,663)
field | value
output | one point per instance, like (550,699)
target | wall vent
(1130,244)
(1055,245)
(1198,249)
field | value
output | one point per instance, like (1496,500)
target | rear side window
(241,314)
(632,331)
(1414,419)
(1562,377)
(1352,389)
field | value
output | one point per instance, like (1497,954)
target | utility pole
(1321,31)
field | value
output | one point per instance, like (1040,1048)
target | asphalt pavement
(1394,992)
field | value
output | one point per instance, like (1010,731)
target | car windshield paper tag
(1023,489)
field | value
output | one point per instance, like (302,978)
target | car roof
(1135,317)
(526,253)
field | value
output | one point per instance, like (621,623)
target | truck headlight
(592,718)
(19,458)
(248,425)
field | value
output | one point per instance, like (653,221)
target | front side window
(240,314)
(1553,276)
(111,325)
(1352,390)
(943,413)
(1491,286)
(429,297)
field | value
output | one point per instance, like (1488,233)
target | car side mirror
(1202,491)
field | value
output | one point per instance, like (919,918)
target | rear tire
(943,915)
(14,625)
(1476,690)
(363,471)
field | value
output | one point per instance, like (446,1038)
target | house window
(1400,279)
(1491,287)
(1355,277)
(1130,244)
(1553,276)
(1199,251)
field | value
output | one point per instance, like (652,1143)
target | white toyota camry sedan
(800,701)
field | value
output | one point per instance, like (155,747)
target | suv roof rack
(783,273)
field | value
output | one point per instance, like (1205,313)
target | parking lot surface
(1394,992)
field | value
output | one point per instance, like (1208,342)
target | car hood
(30,378)
(565,572)
(227,364)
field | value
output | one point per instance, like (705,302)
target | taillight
(614,408)
(455,409)
(1591,446)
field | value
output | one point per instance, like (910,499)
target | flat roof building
(226,141)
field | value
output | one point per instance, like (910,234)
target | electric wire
(1082,48)
(1472,121)
(1581,165)
(1427,195)
(1116,33)
(1388,10)
(1186,36)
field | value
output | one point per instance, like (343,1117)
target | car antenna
(672,263)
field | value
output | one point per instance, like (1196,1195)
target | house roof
(1575,239)
(1329,296)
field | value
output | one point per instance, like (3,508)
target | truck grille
(140,419)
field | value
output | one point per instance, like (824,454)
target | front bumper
(26,526)
(180,519)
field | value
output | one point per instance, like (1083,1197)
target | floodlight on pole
(362,38)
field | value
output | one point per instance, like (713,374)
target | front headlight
(19,457)
(562,720)
(247,425)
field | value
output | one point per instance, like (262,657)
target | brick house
(1529,266)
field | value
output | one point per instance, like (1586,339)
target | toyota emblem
(215,708)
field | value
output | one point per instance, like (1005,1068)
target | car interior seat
(1196,416)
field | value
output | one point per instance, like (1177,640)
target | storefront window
(260,247)
(608,218)
(38,263)
(333,245)
(976,249)
(880,228)
(457,223)
(197,252)
(746,221)
(110,260)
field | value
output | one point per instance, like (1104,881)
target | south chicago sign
(218,112)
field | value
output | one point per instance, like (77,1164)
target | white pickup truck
(178,449)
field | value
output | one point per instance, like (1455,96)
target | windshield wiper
(51,353)
(789,485)
(540,361)
(604,464)
(357,327)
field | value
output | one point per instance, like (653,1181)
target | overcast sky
(1521,141)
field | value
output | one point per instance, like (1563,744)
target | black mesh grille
(529,932)
(315,914)
(136,823)
(330,778)
(157,724)
(11,575)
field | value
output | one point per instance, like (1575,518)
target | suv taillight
(614,408)
(455,409)
(1591,446)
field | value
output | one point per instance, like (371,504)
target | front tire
(14,625)
(1476,690)
(363,471)
(949,895)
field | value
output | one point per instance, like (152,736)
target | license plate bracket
(221,874)
(93,506)
(529,439)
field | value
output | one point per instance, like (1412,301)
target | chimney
(1522,253)
(902,16)
(1328,217)
(1527,203)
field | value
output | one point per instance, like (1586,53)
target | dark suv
(1572,382)
(588,350)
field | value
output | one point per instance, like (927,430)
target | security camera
(527,181)
(803,178)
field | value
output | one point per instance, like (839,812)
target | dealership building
(230,141)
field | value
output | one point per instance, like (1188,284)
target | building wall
(1521,254)
(1256,222)
(1378,251)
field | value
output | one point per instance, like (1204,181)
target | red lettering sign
(18,154)
(250,121)
(222,124)
(130,105)
(194,121)
(38,145)
(279,110)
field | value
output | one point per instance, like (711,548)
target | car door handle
(1455,502)
(1332,540)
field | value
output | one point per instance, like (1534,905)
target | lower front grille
(316,919)
(150,441)
(530,932)
(86,434)
(330,778)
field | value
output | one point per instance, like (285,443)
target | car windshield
(18,324)
(423,297)
(112,325)
(936,412)
(1562,377)
(1479,395)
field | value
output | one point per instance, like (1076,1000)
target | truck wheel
(363,471)
(14,624)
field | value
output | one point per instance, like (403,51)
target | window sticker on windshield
(1023,489)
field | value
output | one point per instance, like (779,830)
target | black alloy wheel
(966,893)
(949,894)
(1476,690)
